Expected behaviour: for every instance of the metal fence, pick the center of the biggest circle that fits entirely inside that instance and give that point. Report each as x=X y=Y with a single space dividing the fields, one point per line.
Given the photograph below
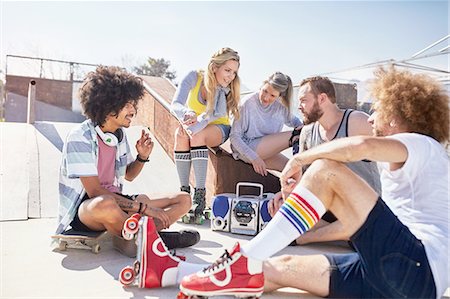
x=46 y=68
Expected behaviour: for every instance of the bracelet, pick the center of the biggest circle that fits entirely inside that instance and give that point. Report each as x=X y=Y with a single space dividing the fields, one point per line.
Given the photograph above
x=141 y=160
x=140 y=207
x=145 y=209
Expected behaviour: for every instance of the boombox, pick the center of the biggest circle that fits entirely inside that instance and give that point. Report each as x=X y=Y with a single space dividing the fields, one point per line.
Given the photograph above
x=241 y=214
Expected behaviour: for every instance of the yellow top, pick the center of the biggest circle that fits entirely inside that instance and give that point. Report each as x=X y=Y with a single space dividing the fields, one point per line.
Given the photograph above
x=195 y=105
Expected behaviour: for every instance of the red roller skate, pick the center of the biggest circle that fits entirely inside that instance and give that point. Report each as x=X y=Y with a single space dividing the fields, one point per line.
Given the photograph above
x=232 y=274
x=131 y=226
x=155 y=266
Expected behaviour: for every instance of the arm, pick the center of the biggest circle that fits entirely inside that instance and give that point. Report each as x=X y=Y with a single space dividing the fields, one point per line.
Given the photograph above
x=181 y=95
x=144 y=147
x=94 y=188
x=346 y=150
x=238 y=129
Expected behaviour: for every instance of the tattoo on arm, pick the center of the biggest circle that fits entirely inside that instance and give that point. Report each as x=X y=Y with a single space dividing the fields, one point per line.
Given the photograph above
x=126 y=205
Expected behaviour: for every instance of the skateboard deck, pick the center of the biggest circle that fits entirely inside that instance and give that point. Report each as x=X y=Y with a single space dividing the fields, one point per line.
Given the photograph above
x=79 y=240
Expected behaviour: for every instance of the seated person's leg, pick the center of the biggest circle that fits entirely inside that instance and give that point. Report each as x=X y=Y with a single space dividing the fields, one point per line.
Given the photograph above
x=102 y=212
x=175 y=205
x=272 y=145
x=297 y=272
x=276 y=162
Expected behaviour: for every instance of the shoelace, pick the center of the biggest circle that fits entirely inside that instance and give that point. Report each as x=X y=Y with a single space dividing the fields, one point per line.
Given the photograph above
x=225 y=257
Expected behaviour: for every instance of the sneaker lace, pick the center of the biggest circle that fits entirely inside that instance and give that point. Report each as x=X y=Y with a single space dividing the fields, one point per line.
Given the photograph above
x=220 y=261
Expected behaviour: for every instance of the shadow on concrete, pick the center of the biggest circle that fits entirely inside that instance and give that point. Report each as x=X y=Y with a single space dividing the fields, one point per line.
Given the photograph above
x=49 y=131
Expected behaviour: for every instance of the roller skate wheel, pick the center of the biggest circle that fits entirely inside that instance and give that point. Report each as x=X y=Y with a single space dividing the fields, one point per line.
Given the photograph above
x=127 y=275
x=185 y=219
x=199 y=220
x=131 y=225
x=184 y=296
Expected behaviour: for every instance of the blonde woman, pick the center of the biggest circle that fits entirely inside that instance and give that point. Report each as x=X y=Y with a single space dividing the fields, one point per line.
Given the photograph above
x=203 y=102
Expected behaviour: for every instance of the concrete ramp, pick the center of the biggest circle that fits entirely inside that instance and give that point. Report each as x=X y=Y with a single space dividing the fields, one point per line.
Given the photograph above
x=30 y=157
x=16 y=140
x=29 y=165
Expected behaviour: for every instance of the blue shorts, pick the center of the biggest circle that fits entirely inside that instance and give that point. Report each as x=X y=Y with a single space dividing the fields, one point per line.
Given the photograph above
x=225 y=131
x=389 y=262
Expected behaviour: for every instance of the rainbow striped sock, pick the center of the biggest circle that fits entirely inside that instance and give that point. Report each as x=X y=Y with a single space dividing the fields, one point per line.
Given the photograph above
x=302 y=209
x=300 y=212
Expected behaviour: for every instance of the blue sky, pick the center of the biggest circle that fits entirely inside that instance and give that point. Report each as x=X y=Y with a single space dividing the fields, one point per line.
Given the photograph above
x=300 y=38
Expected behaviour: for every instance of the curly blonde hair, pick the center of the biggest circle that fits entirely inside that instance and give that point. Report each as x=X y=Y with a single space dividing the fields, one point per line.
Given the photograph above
x=418 y=102
x=217 y=60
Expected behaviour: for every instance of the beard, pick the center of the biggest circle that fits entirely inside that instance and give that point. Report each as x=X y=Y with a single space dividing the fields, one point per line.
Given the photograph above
x=314 y=115
x=379 y=133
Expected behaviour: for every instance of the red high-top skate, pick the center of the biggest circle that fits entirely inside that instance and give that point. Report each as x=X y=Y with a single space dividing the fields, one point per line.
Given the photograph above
x=155 y=267
x=232 y=274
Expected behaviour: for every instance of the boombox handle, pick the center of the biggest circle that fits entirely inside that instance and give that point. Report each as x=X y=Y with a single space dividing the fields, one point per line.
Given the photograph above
x=248 y=184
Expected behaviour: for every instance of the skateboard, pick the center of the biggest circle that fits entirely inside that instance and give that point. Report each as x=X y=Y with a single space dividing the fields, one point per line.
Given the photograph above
x=192 y=218
x=79 y=240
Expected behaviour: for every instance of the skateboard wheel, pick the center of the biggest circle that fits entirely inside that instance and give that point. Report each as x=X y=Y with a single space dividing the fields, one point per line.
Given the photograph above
x=127 y=275
x=62 y=245
x=95 y=248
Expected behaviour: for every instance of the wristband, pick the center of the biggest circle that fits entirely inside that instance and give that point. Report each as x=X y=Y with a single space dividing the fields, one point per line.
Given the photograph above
x=141 y=160
x=145 y=209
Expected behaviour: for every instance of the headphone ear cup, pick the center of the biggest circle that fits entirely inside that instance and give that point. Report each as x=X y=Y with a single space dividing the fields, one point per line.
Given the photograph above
x=119 y=135
x=108 y=138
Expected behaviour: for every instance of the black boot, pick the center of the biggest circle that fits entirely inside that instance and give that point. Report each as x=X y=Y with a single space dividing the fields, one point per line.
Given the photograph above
x=180 y=239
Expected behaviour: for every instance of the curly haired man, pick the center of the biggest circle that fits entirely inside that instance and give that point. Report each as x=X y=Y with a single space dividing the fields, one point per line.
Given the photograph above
x=96 y=159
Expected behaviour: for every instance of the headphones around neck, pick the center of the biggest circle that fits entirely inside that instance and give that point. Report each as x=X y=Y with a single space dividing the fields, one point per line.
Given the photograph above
x=110 y=139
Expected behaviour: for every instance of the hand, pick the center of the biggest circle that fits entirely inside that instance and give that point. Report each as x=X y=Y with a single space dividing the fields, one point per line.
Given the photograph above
x=190 y=118
x=290 y=176
x=144 y=145
x=259 y=166
x=274 y=204
x=158 y=214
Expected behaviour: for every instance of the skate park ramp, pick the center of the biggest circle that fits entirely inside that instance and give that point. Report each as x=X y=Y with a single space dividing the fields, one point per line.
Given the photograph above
x=16 y=111
x=33 y=267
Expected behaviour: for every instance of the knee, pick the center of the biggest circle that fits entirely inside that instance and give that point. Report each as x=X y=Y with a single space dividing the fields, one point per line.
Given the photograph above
x=184 y=200
x=199 y=139
x=323 y=170
x=104 y=204
x=180 y=134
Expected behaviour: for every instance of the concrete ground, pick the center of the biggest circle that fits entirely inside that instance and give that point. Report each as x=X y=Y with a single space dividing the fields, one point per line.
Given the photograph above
x=32 y=267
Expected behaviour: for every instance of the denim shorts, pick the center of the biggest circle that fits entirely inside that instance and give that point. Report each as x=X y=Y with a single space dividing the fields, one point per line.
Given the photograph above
x=389 y=262
x=225 y=131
